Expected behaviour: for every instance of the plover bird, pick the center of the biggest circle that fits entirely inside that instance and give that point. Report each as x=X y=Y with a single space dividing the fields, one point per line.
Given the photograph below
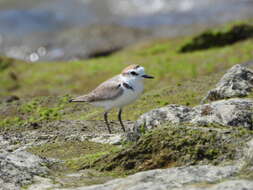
x=117 y=92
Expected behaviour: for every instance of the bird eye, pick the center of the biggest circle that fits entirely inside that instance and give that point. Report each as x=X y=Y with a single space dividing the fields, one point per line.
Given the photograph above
x=134 y=73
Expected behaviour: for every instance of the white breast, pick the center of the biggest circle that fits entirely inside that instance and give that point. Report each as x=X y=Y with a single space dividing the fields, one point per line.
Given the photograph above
x=130 y=95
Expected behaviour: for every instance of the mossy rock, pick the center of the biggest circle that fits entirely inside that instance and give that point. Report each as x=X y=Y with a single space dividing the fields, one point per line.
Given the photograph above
x=211 y=38
x=171 y=146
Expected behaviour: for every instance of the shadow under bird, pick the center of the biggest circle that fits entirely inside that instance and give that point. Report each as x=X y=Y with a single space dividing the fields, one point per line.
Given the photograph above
x=117 y=92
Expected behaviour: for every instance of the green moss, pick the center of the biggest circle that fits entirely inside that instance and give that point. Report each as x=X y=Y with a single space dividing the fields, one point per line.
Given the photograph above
x=210 y=39
x=11 y=121
x=5 y=63
x=175 y=146
x=70 y=150
x=75 y=156
x=85 y=161
x=40 y=109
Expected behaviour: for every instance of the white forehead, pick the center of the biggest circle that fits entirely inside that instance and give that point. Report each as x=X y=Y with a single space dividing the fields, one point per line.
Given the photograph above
x=140 y=70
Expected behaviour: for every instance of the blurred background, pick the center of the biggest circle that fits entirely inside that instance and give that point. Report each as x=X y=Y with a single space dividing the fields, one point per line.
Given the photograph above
x=57 y=47
x=50 y=30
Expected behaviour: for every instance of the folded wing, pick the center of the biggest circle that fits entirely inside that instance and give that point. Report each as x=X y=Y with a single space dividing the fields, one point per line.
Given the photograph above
x=108 y=90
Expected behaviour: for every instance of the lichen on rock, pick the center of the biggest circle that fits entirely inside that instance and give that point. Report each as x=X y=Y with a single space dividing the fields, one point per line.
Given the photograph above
x=237 y=82
x=166 y=178
x=19 y=167
x=233 y=112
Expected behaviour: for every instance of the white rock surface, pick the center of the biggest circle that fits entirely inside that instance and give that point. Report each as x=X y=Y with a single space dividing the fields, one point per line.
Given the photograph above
x=164 y=179
x=237 y=82
x=114 y=139
x=227 y=185
x=18 y=168
x=232 y=112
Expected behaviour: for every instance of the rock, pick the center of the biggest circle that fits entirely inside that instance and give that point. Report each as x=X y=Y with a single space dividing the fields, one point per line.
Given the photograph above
x=232 y=112
x=248 y=152
x=114 y=139
x=171 y=113
x=199 y=177
x=234 y=185
x=163 y=179
x=41 y=183
x=246 y=163
x=227 y=185
x=237 y=82
x=18 y=168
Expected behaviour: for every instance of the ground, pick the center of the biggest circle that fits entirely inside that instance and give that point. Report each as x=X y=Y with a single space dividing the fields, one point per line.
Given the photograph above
x=180 y=78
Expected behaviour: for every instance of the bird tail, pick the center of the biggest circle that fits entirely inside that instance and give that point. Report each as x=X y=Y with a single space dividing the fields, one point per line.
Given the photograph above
x=79 y=99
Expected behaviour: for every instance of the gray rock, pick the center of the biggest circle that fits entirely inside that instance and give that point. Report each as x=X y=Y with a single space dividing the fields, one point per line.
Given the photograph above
x=234 y=185
x=237 y=82
x=18 y=168
x=41 y=183
x=246 y=163
x=227 y=185
x=163 y=179
x=232 y=112
x=114 y=139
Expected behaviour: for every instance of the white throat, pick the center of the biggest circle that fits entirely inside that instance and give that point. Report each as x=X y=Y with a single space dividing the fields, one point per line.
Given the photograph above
x=135 y=82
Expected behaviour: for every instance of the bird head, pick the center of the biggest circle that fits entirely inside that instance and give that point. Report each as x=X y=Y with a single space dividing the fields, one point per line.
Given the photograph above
x=135 y=72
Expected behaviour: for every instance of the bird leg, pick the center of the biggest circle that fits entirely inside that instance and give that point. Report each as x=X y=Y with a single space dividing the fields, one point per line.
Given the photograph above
x=106 y=121
x=120 y=120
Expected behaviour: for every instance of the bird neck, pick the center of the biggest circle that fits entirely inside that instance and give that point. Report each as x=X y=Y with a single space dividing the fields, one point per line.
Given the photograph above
x=135 y=83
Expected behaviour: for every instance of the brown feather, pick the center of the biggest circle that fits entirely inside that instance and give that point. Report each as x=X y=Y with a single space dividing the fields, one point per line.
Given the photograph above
x=108 y=90
x=133 y=66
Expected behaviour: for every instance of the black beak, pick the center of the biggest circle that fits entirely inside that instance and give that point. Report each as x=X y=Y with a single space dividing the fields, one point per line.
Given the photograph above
x=147 y=76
